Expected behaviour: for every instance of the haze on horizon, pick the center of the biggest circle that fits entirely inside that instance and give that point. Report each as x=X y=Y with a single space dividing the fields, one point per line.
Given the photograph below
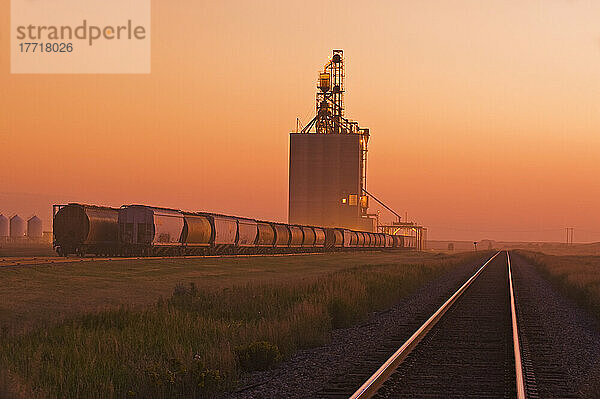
x=485 y=116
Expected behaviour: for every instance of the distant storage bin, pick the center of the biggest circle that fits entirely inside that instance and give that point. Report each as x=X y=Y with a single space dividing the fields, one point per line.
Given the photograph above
x=34 y=228
x=17 y=227
x=3 y=227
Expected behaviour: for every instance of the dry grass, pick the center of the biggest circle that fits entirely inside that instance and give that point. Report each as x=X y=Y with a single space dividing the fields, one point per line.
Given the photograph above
x=555 y=248
x=34 y=294
x=188 y=345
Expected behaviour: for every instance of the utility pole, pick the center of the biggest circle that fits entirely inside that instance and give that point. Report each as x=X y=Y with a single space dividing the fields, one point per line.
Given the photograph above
x=570 y=235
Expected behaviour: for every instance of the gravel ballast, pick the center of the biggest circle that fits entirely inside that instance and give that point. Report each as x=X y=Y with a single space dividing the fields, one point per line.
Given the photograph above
x=563 y=340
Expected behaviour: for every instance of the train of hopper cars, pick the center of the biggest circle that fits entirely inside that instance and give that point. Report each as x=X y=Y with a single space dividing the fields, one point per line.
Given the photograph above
x=138 y=230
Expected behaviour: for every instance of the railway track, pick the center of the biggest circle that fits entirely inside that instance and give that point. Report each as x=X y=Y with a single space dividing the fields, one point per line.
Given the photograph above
x=468 y=348
x=34 y=261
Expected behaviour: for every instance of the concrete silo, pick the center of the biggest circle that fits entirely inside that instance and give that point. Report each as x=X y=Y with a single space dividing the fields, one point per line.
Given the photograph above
x=34 y=228
x=17 y=227
x=3 y=228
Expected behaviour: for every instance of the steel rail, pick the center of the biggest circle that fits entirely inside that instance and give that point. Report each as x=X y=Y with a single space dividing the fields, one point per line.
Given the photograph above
x=33 y=261
x=56 y=260
x=371 y=385
x=515 y=332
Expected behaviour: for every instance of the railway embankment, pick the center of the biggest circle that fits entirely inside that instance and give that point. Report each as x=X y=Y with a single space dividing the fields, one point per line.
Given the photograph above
x=559 y=340
x=311 y=372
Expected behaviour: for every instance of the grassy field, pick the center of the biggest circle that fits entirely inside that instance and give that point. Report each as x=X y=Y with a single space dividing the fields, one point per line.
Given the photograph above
x=33 y=295
x=185 y=328
x=560 y=249
x=578 y=276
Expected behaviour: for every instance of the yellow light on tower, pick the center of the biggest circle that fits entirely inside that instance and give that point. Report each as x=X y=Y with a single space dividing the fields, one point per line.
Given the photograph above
x=324 y=82
x=364 y=201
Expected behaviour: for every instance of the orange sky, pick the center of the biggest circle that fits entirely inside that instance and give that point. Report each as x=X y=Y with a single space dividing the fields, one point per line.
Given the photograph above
x=485 y=115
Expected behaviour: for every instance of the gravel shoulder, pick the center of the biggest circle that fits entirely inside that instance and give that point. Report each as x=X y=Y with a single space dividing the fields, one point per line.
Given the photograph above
x=563 y=339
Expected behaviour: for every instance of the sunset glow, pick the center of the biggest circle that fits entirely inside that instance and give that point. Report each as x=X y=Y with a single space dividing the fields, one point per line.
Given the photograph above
x=484 y=116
